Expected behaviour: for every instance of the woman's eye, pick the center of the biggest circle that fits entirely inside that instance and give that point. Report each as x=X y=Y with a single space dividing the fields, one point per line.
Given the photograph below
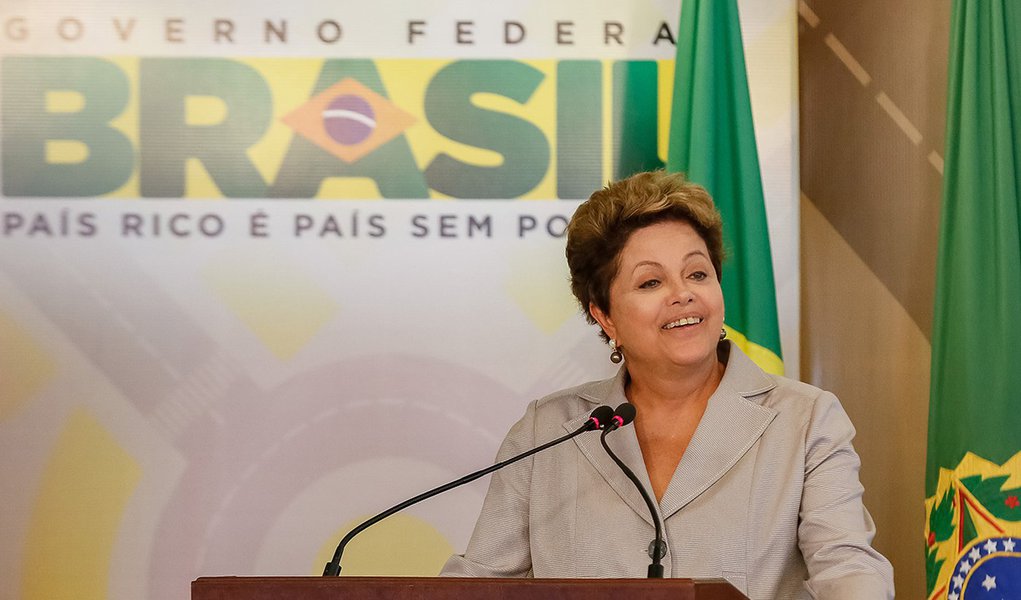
x=650 y=283
x=699 y=275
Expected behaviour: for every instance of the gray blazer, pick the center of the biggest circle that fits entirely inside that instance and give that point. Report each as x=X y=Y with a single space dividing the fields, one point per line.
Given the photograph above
x=766 y=495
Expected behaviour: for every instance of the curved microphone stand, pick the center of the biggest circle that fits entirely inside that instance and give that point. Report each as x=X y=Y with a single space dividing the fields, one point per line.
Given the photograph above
x=624 y=414
x=598 y=419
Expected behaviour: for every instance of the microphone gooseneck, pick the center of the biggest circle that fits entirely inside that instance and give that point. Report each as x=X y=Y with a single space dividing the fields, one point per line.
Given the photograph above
x=623 y=415
x=600 y=418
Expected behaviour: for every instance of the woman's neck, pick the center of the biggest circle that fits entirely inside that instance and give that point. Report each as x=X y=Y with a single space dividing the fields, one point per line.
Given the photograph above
x=672 y=388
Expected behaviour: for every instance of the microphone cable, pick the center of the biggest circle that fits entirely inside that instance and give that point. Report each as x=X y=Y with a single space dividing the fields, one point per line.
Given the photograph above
x=624 y=414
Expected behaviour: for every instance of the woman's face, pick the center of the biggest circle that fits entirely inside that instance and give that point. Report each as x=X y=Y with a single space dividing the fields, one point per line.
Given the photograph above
x=666 y=304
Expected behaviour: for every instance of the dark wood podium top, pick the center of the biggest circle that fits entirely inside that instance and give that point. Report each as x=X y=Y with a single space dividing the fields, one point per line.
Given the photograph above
x=451 y=588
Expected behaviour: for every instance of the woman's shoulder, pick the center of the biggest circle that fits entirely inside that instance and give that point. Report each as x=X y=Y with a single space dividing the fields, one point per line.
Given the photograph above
x=809 y=409
x=590 y=390
x=777 y=392
x=569 y=403
x=798 y=392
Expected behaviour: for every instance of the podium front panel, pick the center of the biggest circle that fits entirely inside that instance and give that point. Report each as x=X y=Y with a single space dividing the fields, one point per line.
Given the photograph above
x=453 y=588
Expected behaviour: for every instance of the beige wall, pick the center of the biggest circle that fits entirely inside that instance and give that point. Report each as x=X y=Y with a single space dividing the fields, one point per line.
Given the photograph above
x=873 y=94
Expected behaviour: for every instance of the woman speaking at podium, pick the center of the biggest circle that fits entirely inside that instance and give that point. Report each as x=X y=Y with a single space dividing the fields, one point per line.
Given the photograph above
x=754 y=475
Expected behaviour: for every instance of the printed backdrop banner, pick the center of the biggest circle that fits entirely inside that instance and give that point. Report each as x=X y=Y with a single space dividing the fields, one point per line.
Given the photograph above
x=267 y=269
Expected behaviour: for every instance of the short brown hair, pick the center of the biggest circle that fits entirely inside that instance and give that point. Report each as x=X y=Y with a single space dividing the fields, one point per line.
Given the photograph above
x=603 y=224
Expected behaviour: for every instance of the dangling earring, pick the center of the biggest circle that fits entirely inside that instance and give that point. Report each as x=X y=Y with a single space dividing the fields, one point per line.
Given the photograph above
x=723 y=333
x=615 y=354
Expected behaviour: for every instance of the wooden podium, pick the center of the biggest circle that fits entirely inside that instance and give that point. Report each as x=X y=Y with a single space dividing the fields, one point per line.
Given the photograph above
x=453 y=588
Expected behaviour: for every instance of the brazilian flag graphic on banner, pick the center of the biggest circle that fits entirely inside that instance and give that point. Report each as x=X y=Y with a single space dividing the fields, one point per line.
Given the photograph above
x=973 y=476
x=712 y=141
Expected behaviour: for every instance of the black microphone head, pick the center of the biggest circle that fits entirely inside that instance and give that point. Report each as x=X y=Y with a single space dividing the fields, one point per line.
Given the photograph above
x=600 y=417
x=626 y=412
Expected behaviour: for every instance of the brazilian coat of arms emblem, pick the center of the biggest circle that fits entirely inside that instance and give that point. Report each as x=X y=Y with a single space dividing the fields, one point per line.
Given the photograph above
x=973 y=531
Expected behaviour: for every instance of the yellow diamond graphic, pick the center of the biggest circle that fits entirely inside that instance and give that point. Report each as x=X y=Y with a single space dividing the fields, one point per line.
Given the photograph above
x=283 y=307
x=348 y=120
x=25 y=368
x=538 y=285
x=81 y=500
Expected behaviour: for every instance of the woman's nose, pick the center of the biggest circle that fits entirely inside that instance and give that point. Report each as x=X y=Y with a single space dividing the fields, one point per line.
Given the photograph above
x=681 y=294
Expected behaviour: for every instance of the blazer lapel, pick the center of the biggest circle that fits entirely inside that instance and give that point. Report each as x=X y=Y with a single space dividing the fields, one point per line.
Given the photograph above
x=731 y=425
x=729 y=428
x=624 y=443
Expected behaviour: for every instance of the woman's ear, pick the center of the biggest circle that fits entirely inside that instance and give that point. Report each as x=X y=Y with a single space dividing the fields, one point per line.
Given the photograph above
x=603 y=319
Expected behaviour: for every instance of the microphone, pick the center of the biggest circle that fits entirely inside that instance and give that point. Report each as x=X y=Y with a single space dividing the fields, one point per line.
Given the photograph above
x=624 y=415
x=600 y=418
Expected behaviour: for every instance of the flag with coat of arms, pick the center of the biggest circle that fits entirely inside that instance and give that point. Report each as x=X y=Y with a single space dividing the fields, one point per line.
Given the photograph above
x=973 y=475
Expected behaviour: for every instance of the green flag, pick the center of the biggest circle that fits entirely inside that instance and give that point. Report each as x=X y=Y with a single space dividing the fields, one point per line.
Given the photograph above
x=973 y=476
x=712 y=141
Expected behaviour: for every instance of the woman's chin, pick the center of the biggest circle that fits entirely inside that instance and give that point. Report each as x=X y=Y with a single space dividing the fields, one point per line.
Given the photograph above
x=680 y=360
